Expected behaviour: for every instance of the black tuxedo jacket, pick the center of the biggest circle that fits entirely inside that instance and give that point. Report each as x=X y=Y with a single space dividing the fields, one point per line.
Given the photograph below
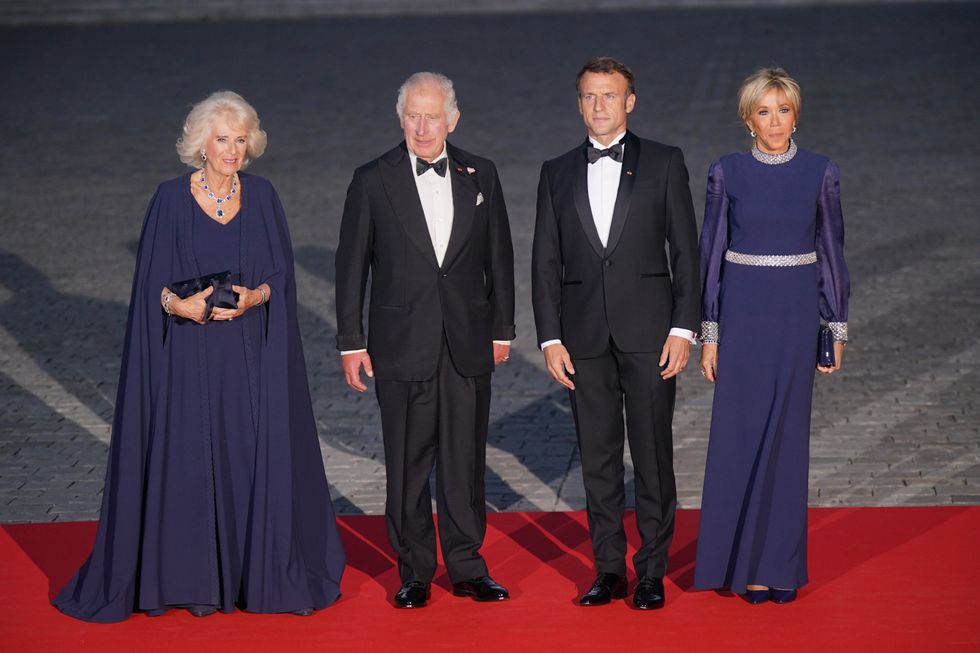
x=583 y=293
x=414 y=300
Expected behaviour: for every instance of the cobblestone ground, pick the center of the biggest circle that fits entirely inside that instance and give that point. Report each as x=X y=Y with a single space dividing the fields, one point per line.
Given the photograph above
x=90 y=114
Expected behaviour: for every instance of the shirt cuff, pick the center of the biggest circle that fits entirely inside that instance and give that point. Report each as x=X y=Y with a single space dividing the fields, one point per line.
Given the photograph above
x=502 y=342
x=548 y=343
x=352 y=351
x=683 y=333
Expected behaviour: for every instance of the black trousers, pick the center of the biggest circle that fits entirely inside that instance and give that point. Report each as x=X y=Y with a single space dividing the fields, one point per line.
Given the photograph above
x=603 y=385
x=443 y=422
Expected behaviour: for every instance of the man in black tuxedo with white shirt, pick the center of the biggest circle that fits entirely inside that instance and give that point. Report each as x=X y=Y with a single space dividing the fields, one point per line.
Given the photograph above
x=428 y=222
x=615 y=318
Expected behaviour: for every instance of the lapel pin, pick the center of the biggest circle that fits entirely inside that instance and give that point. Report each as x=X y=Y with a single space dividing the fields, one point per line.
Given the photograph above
x=629 y=173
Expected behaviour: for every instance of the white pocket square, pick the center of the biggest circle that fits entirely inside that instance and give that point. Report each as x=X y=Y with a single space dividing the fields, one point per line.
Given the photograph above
x=479 y=199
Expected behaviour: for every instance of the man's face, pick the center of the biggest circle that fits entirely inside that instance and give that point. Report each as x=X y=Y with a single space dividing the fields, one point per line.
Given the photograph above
x=425 y=122
x=604 y=102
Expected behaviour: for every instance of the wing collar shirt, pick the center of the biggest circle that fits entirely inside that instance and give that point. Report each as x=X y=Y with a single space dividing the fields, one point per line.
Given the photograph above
x=603 y=188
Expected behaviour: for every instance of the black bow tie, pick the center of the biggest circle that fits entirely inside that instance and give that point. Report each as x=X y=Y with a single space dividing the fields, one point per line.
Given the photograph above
x=614 y=152
x=439 y=166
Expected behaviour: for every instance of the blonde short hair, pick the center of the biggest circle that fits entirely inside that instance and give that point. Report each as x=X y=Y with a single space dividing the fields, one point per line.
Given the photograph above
x=761 y=82
x=197 y=126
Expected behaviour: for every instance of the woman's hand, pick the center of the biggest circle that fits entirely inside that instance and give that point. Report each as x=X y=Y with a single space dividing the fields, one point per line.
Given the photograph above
x=709 y=361
x=191 y=308
x=838 y=357
x=247 y=298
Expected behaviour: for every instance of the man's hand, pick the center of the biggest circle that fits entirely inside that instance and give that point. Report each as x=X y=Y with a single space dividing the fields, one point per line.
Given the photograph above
x=709 y=361
x=501 y=353
x=674 y=355
x=559 y=364
x=352 y=369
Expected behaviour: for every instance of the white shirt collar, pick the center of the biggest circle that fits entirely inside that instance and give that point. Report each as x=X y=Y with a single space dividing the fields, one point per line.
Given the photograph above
x=618 y=138
x=414 y=157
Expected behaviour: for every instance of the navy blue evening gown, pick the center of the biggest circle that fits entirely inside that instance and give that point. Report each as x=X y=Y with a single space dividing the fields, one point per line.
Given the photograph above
x=772 y=265
x=215 y=491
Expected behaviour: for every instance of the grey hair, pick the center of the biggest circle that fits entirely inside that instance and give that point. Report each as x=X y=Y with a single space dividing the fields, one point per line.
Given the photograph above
x=421 y=79
x=197 y=127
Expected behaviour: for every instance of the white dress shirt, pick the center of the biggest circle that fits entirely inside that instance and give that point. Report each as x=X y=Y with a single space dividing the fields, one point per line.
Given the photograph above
x=436 y=195
x=604 y=177
x=604 y=187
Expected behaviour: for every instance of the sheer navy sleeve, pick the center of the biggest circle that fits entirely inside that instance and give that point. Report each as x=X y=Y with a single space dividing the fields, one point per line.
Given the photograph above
x=835 y=282
x=714 y=242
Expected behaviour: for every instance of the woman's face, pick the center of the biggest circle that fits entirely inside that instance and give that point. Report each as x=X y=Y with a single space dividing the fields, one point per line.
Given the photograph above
x=225 y=147
x=772 y=120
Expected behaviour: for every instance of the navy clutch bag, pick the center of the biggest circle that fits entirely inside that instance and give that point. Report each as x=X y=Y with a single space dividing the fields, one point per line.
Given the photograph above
x=825 y=347
x=222 y=297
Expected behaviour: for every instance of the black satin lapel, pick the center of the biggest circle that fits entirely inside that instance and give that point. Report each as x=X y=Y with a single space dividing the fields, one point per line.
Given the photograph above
x=465 y=191
x=621 y=210
x=404 y=198
x=580 y=191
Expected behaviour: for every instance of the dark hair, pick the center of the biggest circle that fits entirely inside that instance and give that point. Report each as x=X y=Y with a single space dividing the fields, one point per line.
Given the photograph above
x=608 y=65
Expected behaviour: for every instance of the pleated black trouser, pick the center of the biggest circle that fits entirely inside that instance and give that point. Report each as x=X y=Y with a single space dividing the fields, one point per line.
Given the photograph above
x=602 y=386
x=443 y=422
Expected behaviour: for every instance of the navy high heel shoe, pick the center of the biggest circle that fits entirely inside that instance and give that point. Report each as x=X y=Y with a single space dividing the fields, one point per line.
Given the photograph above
x=777 y=595
x=755 y=597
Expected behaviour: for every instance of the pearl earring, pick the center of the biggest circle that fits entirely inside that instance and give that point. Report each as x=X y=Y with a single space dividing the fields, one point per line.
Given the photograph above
x=794 y=129
x=752 y=133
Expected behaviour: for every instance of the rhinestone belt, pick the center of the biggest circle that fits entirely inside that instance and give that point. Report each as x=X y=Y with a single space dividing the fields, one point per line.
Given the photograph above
x=771 y=260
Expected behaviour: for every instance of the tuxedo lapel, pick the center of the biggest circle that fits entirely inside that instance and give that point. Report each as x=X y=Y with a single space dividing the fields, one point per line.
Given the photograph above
x=631 y=158
x=580 y=191
x=403 y=195
x=465 y=192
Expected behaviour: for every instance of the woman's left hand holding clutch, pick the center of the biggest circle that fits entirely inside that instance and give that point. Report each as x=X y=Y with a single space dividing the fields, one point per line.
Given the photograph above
x=247 y=298
x=838 y=357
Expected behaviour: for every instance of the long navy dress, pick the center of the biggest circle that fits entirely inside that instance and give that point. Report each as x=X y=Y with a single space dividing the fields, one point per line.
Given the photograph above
x=772 y=265
x=215 y=491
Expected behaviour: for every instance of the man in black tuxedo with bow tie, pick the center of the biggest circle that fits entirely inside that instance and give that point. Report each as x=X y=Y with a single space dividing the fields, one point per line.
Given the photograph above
x=615 y=316
x=428 y=222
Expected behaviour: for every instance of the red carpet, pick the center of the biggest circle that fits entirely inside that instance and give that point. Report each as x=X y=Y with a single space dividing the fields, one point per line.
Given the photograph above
x=882 y=579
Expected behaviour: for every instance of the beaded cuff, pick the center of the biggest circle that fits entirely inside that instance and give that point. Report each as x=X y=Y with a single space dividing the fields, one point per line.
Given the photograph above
x=839 y=329
x=709 y=333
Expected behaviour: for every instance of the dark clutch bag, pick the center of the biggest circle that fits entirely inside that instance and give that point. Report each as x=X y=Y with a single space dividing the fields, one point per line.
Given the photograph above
x=222 y=297
x=825 y=347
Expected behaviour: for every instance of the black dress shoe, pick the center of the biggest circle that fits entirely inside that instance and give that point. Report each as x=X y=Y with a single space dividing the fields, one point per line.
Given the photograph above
x=202 y=610
x=413 y=594
x=483 y=588
x=605 y=588
x=649 y=594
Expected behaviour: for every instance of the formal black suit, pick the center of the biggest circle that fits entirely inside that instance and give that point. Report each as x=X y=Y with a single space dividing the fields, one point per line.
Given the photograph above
x=430 y=334
x=612 y=307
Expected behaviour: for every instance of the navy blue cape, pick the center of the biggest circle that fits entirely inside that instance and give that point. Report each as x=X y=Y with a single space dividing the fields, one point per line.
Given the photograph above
x=158 y=529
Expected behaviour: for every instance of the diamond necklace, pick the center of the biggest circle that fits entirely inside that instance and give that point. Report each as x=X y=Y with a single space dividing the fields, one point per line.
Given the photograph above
x=219 y=200
x=774 y=159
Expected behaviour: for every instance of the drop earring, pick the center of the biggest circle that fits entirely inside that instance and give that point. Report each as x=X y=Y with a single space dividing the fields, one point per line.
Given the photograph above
x=204 y=157
x=794 y=129
x=752 y=133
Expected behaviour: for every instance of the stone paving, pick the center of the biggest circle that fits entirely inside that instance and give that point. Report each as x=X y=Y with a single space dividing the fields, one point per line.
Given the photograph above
x=90 y=115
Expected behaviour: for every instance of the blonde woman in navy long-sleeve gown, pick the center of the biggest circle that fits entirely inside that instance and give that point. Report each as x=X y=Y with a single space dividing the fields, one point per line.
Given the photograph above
x=772 y=265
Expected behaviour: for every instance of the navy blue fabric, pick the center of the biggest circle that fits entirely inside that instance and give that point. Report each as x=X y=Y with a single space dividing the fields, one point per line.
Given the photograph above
x=215 y=491
x=754 y=506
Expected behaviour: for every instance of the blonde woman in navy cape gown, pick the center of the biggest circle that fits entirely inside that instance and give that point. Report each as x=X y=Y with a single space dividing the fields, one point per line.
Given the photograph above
x=215 y=494
x=772 y=265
